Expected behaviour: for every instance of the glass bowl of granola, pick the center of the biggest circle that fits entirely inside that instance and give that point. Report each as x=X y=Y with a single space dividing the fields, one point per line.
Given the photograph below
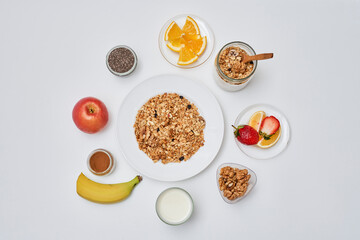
x=234 y=181
x=231 y=73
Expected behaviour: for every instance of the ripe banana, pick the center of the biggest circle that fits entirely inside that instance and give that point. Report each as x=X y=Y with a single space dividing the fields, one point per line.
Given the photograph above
x=104 y=193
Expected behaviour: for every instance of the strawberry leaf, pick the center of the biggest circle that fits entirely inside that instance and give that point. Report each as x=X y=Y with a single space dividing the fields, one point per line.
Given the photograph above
x=265 y=136
x=236 y=132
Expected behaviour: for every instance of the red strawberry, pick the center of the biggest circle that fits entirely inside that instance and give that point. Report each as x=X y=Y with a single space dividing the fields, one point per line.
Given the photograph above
x=246 y=135
x=268 y=127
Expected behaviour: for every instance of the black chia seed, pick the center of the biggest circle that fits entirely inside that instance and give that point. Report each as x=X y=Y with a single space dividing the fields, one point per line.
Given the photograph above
x=181 y=97
x=121 y=60
x=189 y=106
x=182 y=158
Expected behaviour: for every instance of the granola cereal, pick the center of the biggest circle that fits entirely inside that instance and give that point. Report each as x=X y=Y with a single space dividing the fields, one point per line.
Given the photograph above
x=169 y=128
x=231 y=65
x=233 y=182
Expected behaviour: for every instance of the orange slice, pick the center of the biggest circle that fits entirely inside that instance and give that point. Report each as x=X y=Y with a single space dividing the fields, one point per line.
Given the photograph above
x=188 y=37
x=187 y=41
x=173 y=32
x=186 y=56
x=197 y=46
x=256 y=119
x=190 y=27
x=271 y=142
x=176 y=44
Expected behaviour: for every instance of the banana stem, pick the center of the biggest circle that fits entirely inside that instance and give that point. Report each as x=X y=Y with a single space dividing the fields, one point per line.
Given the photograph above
x=139 y=177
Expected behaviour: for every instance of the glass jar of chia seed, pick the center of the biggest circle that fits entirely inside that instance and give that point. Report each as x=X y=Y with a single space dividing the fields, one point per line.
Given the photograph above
x=230 y=73
x=121 y=60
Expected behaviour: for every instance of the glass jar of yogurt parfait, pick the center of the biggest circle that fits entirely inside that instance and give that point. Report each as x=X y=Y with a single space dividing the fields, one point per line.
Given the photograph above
x=230 y=73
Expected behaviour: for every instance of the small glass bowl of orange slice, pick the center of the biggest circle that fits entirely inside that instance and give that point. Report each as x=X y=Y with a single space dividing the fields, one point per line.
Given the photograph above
x=186 y=41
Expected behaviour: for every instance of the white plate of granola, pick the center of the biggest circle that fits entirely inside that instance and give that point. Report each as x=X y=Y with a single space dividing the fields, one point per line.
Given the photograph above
x=170 y=128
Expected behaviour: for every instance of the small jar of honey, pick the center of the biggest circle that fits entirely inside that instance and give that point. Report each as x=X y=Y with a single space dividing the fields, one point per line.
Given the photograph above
x=100 y=162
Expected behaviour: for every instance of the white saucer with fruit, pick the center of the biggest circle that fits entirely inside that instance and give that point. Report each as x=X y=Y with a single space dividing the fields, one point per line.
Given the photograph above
x=261 y=131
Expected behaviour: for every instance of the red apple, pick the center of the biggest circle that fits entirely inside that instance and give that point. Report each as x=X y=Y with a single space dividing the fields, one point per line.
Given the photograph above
x=90 y=115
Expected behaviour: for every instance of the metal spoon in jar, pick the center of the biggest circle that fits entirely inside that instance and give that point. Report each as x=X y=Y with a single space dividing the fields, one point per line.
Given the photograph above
x=263 y=56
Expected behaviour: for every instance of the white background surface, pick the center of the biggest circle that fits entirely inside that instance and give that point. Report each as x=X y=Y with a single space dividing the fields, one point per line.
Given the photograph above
x=53 y=54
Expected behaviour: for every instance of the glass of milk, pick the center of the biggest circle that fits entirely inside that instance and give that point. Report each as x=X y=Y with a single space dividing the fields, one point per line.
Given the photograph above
x=174 y=206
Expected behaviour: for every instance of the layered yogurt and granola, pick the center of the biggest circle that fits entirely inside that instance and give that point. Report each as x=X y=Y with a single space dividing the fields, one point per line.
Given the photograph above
x=232 y=74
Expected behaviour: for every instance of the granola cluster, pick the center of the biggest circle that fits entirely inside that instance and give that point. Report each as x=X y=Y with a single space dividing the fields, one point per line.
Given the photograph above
x=169 y=128
x=233 y=182
x=231 y=65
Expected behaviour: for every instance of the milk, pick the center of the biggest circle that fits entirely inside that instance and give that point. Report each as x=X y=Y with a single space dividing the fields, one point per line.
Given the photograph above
x=174 y=206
